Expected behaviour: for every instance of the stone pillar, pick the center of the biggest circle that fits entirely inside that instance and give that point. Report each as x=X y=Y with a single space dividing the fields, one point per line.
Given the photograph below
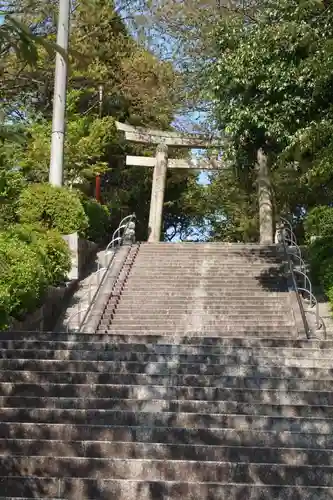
x=129 y=234
x=157 y=194
x=265 y=200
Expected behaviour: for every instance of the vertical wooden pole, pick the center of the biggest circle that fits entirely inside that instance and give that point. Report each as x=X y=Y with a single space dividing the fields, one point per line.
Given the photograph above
x=265 y=200
x=98 y=188
x=157 y=194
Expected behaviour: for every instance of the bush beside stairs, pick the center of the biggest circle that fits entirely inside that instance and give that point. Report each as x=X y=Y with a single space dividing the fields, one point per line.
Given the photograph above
x=196 y=385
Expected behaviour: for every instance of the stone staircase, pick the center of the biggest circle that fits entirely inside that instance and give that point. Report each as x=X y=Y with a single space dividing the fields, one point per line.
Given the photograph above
x=185 y=289
x=197 y=386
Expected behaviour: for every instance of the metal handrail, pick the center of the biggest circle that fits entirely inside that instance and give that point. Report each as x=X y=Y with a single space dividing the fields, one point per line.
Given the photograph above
x=294 y=282
x=315 y=302
x=111 y=248
x=301 y=262
x=307 y=281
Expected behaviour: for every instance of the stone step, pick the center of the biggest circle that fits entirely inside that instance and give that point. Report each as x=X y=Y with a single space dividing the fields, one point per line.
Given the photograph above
x=152 y=392
x=160 y=451
x=216 y=255
x=167 y=367
x=194 y=354
x=169 y=380
x=283 y=333
x=218 y=308
x=232 y=286
x=192 y=420
x=193 y=321
x=171 y=470
x=215 y=303
x=169 y=345
x=172 y=381
x=206 y=297
x=193 y=276
x=168 y=435
x=70 y=489
x=186 y=294
x=201 y=362
x=170 y=406
x=284 y=330
x=218 y=322
x=179 y=314
x=207 y=279
x=9 y=339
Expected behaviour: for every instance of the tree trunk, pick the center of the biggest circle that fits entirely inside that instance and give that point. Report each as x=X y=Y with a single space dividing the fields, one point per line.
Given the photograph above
x=265 y=200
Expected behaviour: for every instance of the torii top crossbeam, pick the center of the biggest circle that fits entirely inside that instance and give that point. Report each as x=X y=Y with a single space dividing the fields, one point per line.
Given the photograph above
x=168 y=138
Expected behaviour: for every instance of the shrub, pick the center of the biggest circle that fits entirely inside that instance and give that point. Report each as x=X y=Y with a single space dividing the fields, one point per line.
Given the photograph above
x=11 y=185
x=320 y=252
x=52 y=250
x=99 y=220
x=52 y=207
x=23 y=278
x=319 y=222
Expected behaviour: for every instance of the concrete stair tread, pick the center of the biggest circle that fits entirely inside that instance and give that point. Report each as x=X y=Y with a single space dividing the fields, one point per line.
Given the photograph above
x=168 y=435
x=164 y=451
x=255 y=331
x=171 y=406
x=161 y=490
x=92 y=339
x=203 y=421
x=289 y=369
x=174 y=470
x=177 y=380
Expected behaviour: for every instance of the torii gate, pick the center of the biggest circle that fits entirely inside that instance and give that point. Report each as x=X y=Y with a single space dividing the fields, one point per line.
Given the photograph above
x=161 y=162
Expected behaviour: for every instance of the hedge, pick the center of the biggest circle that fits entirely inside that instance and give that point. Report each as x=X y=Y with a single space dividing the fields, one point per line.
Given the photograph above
x=53 y=207
x=52 y=250
x=319 y=224
x=23 y=278
x=99 y=220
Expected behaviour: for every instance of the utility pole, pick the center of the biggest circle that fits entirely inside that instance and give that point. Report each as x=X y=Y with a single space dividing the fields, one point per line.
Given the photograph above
x=59 y=98
x=98 y=177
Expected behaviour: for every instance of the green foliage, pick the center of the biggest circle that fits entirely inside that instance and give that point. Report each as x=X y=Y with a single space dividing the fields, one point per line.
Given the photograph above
x=23 y=278
x=53 y=207
x=233 y=207
x=11 y=185
x=87 y=139
x=51 y=248
x=320 y=253
x=271 y=85
x=98 y=218
x=319 y=222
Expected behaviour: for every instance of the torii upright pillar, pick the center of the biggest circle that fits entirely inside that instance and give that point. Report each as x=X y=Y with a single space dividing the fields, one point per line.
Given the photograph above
x=157 y=194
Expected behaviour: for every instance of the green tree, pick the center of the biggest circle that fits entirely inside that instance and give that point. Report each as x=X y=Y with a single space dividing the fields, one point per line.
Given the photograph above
x=271 y=81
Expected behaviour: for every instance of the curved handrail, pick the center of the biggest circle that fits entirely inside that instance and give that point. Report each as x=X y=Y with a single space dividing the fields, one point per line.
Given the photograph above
x=307 y=282
x=295 y=287
x=76 y=313
x=318 y=322
x=115 y=242
x=292 y=238
x=302 y=262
